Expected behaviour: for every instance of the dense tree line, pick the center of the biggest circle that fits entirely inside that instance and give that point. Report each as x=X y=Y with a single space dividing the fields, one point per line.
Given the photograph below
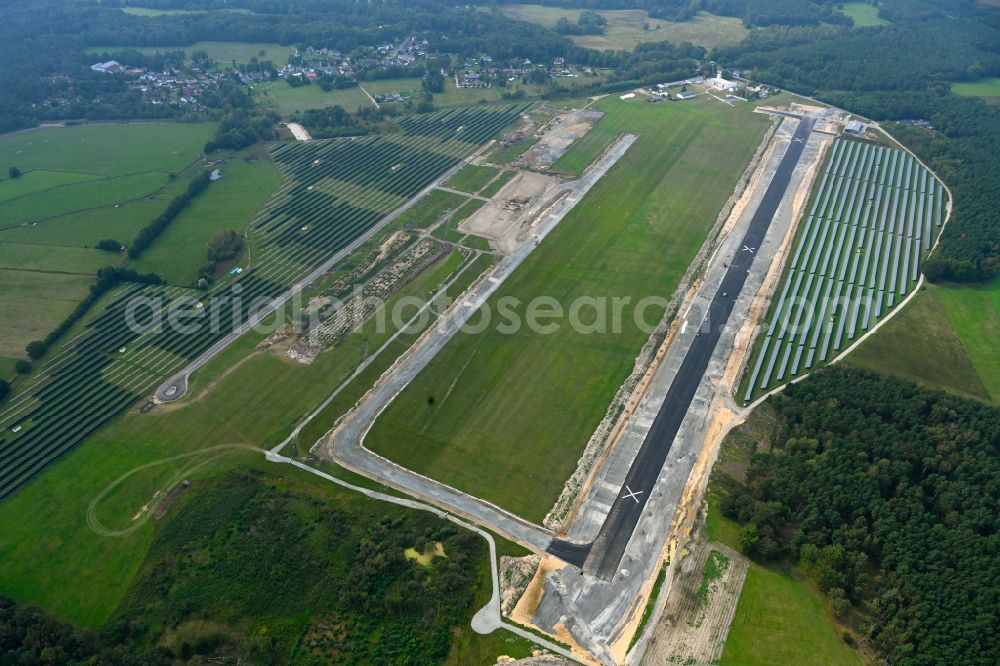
x=889 y=495
x=224 y=246
x=151 y=231
x=903 y=72
x=335 y=121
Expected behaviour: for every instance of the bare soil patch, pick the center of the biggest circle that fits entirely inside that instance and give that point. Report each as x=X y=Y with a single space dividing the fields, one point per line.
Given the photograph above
x=500 y=220
x=695 y=622
x=558 y=136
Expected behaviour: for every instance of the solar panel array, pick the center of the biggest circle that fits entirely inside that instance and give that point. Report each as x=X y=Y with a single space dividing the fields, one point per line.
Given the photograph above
x=873 y=216
x=334 y=191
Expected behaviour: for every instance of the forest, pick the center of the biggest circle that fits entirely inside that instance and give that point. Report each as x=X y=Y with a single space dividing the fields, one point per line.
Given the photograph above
x=248 y=570
x=43 y=46
x=889 y=497
x=878 y=73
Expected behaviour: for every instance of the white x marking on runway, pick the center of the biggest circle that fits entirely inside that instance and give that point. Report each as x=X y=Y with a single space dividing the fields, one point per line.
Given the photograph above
x=747 y=248
x=632 y=494
x=797 y=140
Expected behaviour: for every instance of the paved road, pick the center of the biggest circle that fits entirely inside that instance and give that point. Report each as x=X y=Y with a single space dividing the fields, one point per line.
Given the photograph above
x=175 y=387
x=602 y=557
x=346 y=443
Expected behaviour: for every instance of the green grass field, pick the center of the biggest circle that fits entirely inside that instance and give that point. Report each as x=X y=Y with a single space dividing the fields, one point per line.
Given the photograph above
x=106 y=149
x=229 y=203
x=430 y=209
x=65 y=567
x=780 y=618
x=959 y=323
x=403 y=86
x=627 y=28
x=7 y=371
x=472 y=178
x=42 y=300
x=79 y=184
x=223 y=53
x=864 y=14
x=98 y=193
x=39 y=181
x=523 y=405
x=146 y=11
x=286 y=100
x=987 y=87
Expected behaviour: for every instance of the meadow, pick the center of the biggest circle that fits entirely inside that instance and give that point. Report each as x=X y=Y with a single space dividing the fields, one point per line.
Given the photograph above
x=247 y=179
x=780 y=617
x=864 y=14
x=523 y=405
x=987 y=87
x=959 y=322
x=286 y=100
x=79 y=184
x=472 y=178
x=223 y=53
x=627 y=28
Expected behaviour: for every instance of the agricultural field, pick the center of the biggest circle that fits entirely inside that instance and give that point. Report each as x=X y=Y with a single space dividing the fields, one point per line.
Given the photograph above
x=874 y=214
x=78 y=185
x=334 y=191
x=522 y=406
x=472 y=178
x=223 y=53
x=147 y=11
x=286 y=100
x=988 y=88
x=627 y=28
x=959 y=323
x=864 y=14
x=247 y=179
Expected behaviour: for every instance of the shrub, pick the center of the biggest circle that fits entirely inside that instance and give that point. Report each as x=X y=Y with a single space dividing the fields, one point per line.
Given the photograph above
x=36 y=349
x=108 y=245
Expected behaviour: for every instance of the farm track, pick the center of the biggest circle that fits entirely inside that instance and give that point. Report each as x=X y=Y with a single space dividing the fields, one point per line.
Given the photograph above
x=107 y=368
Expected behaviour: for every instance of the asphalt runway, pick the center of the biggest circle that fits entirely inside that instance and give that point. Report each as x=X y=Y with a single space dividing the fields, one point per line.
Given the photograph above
x=602 y=556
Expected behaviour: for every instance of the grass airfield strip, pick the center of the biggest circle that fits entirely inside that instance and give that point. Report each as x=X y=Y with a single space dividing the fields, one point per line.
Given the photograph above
x=504 y=417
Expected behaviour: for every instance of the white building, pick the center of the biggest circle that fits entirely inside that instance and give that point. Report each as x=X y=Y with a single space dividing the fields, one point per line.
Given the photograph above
x=723 y=84
x=627 y=96
x=854 y=127
x=109 y=67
